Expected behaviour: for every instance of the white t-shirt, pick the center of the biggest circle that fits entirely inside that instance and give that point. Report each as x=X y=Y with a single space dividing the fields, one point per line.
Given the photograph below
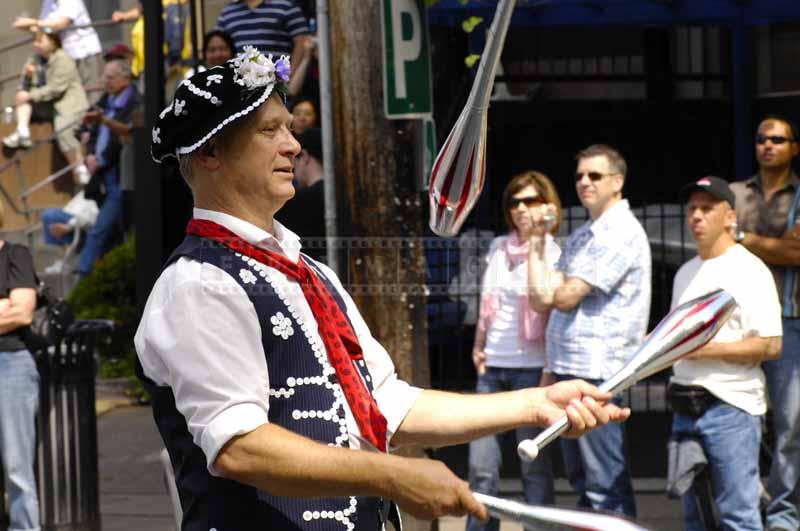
x=743 y=275
x=503 y=348
x=78 y=43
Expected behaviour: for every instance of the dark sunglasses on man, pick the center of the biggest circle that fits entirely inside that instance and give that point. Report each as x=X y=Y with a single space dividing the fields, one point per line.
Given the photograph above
x=594 y=176
x=775 y=139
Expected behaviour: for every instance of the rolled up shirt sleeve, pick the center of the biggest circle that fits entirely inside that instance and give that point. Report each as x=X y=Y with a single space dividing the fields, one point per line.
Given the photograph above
x=201 y=337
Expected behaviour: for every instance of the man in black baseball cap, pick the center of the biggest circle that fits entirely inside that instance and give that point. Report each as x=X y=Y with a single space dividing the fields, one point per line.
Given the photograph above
x=718 y=392
x=715 y=186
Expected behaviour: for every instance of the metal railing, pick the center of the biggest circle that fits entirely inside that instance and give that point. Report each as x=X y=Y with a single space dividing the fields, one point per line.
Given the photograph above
x=25 y=210
x=22 y=41
x=16 y=43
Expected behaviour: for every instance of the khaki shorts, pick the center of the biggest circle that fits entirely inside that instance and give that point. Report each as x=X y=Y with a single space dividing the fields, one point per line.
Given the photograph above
x=67 y=141
x=91 y=71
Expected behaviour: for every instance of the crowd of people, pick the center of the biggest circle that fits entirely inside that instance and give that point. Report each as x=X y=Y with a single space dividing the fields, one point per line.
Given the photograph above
x=68 y=65
x=549 y=313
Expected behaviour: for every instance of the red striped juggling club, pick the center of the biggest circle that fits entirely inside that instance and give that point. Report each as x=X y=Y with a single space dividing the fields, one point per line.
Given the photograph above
x=459 y=168
x=685 y=329
x=545 y=518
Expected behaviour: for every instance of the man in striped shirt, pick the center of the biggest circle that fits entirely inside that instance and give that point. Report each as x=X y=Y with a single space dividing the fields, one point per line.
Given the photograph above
x=276 y=27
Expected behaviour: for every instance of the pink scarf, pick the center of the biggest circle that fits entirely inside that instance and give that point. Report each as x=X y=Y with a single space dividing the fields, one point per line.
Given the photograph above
x=510 y=254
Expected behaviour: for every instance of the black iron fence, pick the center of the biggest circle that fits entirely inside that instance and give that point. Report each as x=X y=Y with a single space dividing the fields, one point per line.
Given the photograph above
x=66 y=462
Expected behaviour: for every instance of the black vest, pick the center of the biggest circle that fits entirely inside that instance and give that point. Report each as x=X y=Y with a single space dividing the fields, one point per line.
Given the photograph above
x=304 y=397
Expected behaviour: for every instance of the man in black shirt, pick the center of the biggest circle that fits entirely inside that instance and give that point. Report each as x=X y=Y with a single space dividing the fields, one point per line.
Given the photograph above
x=19 y=384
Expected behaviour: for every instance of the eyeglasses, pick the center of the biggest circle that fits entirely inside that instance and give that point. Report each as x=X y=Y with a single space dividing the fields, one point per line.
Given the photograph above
x=594 y=176
x=775 y=139
x=529 y=201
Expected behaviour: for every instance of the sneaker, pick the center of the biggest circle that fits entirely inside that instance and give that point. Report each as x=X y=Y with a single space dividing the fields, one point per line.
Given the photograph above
x=55 y=268
x=15 y=140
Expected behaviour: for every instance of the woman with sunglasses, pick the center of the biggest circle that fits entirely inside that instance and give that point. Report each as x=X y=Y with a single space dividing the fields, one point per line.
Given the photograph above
x=509 y=350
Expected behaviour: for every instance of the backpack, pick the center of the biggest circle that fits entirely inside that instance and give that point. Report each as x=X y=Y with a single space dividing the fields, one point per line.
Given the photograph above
x=51 y=319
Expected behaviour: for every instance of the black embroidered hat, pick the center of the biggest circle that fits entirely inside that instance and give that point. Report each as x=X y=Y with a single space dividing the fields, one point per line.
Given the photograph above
x=208 y=101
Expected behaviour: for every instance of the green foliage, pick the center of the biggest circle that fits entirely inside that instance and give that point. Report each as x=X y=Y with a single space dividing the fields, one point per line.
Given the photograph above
x=109 y=292
x=471 y=23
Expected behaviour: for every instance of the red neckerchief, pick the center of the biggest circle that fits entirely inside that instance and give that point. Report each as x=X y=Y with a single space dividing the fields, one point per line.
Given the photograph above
x=337 y=335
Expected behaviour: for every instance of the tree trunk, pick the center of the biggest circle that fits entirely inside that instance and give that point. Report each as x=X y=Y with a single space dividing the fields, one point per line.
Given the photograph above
x=375 y=172
x=375 y=179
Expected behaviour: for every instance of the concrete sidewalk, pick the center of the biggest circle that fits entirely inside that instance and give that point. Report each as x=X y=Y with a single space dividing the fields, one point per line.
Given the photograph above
x=133 y=496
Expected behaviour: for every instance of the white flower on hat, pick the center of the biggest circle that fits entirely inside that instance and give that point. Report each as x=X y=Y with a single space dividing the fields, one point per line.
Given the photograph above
x=253 y=69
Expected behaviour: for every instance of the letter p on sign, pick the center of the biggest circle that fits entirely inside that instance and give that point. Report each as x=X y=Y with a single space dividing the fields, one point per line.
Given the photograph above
x=406 y=59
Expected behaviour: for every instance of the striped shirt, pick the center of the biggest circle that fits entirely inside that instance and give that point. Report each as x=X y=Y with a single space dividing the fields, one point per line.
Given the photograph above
x=597 y=337
x=772 y=218
x=269 y=27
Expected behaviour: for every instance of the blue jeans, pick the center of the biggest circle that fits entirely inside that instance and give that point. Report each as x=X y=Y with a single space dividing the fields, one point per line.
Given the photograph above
x=597 y=467
x=783 y=386
x=19 y=400
x=107 y=222
x=485 y=456
x=55 y=215
x=731 y=439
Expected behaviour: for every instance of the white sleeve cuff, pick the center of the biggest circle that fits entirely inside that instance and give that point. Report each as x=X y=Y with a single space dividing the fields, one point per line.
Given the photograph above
x=233 y=421
x=404 y=397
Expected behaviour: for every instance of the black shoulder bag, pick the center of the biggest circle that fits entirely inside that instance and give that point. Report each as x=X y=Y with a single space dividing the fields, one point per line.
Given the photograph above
x=51 y=320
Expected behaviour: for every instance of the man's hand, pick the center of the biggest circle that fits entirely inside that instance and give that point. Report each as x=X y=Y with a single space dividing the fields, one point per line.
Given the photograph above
x=479 y=360
x=23 y=23
x=427 y=489
x=93 y=116
x=23 y=96
x=793 y=233
x=585 y=405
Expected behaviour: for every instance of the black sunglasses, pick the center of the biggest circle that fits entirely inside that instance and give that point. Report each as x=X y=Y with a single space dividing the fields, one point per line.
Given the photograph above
x=775 y=139
x=529 y=201
x=594 y=176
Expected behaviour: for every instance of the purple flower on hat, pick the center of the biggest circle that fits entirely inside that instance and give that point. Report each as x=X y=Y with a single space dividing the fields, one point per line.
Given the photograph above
x=283 y=69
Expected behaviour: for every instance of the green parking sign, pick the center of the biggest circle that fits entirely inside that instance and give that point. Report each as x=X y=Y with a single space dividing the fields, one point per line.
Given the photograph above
x=406 y=59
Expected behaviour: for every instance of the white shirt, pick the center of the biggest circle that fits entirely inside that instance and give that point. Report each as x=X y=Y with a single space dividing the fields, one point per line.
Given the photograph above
x=78 y=43
x=200 y=336
x=503 y=348
x=743 y=275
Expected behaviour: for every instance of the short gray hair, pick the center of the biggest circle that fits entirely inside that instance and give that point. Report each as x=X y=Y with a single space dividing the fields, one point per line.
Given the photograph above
x=616 y=161
x=185 y=166
x=124 y=67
